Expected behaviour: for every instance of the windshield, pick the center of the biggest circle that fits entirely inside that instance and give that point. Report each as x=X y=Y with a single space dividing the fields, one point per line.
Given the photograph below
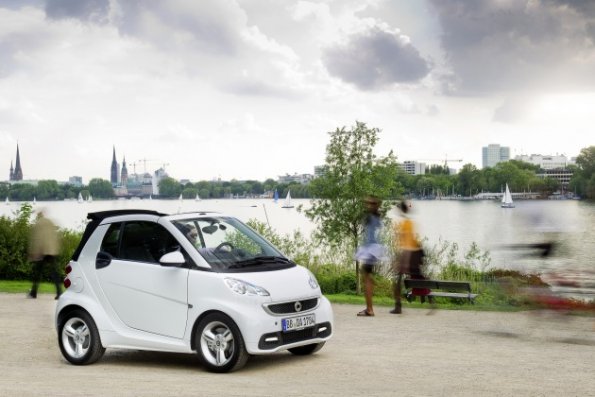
x=229 y=245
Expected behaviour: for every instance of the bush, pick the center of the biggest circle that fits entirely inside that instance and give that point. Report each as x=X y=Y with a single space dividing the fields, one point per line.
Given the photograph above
x=14 y=243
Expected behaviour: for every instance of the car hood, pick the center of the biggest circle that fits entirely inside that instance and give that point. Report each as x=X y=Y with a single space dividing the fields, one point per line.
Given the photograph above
x=286 y=284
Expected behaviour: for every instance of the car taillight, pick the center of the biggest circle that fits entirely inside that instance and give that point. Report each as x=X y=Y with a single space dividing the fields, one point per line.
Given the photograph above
x=67 y=282
x=68 y=269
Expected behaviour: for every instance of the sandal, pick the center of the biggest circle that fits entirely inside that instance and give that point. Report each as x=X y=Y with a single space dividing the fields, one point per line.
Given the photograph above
x=365 y=313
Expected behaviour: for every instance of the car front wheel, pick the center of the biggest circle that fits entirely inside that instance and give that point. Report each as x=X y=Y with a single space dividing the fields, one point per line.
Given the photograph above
x=220 y=345
x=78 y=338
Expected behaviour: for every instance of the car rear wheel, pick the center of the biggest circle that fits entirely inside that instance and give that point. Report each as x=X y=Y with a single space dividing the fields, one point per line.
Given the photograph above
x=78 y=338
x=306 y=349
x=220 y=345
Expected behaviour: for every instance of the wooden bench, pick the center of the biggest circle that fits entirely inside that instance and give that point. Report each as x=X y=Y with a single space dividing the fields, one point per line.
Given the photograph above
x=445 y=289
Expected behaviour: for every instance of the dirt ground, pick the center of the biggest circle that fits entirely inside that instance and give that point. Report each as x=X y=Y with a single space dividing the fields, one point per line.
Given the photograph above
x=448 y=353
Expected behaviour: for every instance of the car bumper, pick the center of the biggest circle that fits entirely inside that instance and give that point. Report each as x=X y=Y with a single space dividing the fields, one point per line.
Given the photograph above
x=269 y=337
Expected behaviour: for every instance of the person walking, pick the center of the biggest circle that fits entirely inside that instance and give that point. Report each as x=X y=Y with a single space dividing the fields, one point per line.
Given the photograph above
x=44 y=247
x=371 y=252
x=410 y=259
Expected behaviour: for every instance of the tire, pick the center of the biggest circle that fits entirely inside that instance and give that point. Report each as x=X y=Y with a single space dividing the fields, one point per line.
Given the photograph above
x=306 y=349
x=79 y=339
x=219 y=344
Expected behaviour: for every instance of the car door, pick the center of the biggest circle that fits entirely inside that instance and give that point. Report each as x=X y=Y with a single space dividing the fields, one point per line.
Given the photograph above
x=144 y=294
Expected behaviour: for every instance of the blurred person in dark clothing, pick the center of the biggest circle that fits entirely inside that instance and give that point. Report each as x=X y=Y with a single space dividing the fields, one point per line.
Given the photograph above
x=44 y=247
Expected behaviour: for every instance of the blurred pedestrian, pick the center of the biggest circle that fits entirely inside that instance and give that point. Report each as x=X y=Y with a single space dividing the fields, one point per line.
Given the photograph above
x=371 y=252
x=44 y=247
x=410 y=258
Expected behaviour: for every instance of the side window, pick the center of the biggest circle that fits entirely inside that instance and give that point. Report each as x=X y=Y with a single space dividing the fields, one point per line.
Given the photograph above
x=146 y=242
x=111 y=240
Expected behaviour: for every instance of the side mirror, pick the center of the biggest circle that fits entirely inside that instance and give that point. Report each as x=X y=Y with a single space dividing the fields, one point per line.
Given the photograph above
x=172 y=259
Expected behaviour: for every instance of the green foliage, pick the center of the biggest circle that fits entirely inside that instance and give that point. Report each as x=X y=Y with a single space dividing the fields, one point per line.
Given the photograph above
x=14 y=244
x=100 y=188
x=583 y=179
x=169 y=188
x=352 y=172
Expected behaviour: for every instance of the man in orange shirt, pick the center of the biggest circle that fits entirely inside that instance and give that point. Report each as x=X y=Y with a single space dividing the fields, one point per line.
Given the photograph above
x=410 y=258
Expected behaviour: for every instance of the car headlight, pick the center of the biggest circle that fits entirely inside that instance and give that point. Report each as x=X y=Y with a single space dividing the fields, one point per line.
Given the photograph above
x=245 y=288
x=312 y=280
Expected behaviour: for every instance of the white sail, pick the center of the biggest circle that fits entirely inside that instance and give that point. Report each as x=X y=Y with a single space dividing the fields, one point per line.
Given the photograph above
x=507 y=199
x=7 y=201
x=287 y=203
x=197 y=197
x=80 y=199
x=90 y=199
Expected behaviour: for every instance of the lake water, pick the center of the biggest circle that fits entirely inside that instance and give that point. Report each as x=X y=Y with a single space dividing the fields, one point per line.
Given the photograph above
x=462 y=222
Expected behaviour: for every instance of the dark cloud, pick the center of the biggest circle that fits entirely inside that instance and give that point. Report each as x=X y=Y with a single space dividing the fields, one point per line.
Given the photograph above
x=376 y=59
x=210 y=26
x=84 y=10
x=493 y=46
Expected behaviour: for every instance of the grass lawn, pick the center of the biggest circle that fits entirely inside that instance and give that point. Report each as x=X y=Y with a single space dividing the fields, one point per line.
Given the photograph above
x=22 y=287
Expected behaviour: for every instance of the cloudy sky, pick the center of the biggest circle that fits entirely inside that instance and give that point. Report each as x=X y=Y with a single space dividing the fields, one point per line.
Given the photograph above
x=249 y=89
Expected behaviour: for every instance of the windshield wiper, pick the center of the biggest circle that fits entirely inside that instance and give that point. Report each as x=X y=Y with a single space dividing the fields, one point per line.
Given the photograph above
x=259 y=260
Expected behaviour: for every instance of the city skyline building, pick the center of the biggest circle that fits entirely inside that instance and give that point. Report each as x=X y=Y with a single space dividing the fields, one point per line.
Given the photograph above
x=494 y=154
x=546 y=162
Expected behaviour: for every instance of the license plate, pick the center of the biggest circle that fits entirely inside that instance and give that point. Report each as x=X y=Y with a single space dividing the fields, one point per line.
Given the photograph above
x=299 y=322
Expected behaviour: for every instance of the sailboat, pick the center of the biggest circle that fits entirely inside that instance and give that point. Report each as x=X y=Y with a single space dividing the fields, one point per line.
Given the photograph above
x=7 y=201
x=197 y=198
x=34 y=200
x=507 y=199
x=181 y=197
x=80 y=199
x=287 y=203
x=90 y=198
x=276 y=196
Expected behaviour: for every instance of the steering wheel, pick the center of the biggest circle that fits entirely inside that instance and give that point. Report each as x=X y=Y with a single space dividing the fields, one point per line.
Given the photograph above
x=219 y=248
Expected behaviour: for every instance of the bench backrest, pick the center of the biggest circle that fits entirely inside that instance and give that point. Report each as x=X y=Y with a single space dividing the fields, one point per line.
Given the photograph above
x=438 y=284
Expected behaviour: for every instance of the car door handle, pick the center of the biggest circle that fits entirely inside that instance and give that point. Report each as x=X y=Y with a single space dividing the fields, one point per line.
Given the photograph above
x=103 y=260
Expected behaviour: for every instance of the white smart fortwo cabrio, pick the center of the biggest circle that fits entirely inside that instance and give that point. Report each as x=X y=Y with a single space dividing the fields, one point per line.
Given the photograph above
x=198 y=282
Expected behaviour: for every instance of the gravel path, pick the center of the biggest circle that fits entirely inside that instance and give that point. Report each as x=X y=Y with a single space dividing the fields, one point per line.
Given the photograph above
x=462 y=353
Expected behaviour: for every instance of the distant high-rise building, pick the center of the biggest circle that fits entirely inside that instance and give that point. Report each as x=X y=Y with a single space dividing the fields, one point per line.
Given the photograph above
x=413 y=167
x=114 y=170
x=494 y=154
x=16 y=174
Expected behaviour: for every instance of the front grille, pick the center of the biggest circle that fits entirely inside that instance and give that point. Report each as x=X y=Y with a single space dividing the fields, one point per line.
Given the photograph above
x=289 y=307
x=276 y=339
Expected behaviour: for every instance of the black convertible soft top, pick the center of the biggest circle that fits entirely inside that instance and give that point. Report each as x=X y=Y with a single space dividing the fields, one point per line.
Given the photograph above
x=97 y=217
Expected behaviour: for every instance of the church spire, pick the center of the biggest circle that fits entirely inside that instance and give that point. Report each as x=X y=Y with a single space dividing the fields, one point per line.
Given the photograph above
x=124 y=177
x=114 y=170
x=17 y=174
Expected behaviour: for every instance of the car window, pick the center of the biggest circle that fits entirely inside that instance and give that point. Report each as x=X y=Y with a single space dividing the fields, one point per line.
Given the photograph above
x=229 y=245
x=111 y=240
x=145 y=242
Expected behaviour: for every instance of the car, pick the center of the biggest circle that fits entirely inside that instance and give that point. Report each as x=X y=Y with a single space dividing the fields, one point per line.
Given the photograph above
x=202 y=282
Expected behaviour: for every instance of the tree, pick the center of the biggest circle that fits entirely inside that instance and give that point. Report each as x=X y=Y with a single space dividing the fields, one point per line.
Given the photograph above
x=583 y=179
x=352 y=173
x=100 y=188
x=169 y=187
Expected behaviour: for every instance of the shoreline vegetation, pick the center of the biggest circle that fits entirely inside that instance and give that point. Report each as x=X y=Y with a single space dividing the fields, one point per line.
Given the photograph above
x=497 y=289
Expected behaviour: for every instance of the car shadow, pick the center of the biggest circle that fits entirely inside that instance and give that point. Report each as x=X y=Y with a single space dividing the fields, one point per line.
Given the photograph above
x=191 y=362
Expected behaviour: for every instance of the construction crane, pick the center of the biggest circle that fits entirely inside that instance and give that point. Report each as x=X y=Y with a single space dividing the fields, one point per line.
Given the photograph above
x=446 y=160
x=145 y=161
